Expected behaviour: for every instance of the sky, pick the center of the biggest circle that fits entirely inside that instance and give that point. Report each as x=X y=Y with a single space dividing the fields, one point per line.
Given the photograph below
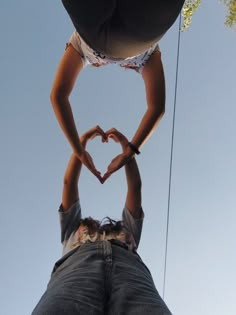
x=201 y=258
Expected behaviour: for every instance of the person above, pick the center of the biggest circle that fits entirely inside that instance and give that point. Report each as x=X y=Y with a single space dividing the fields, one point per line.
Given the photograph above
x=100 y=272
x=122 y=32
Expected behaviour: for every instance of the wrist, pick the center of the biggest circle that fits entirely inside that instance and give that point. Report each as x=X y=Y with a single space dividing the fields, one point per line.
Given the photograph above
x=83 y=142
x=80 y=152
x=133 y=148
x=83 y=145
x=128 y=151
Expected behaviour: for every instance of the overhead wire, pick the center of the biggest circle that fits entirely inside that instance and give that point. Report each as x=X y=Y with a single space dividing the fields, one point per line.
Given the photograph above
x=171 y=158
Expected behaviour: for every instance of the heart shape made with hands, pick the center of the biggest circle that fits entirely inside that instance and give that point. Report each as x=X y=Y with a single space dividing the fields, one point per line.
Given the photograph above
x=103 y=157
x=114 y=162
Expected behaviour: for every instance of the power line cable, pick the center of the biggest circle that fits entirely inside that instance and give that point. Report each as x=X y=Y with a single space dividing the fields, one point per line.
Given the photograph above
x=171 y=157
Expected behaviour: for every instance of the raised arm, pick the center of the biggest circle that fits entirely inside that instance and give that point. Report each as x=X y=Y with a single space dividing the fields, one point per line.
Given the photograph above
x=154 y=80
x=68 y=70
x=71 y=178
x=133 y=197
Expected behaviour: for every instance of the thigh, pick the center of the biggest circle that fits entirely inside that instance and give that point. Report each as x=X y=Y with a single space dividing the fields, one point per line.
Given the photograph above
x=59 y=306
x=76 y=287
x=133 y=290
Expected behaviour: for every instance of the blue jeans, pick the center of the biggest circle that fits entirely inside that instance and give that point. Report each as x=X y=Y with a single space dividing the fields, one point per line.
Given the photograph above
x=101 y=278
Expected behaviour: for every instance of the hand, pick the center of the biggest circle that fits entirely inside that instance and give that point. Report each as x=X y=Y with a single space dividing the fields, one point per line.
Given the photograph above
x=121 y=159
x=87 y=160
x=117 y=136
x=85 y=157
x=91 y=134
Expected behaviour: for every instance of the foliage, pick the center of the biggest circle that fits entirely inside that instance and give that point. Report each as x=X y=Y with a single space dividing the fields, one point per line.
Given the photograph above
x=190 y=6
x=231 y=15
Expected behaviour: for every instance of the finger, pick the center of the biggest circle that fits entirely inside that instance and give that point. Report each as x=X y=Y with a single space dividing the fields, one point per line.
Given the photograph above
x=90 y=164
x=95 y=133
x=111 y=131
x=104 y=139
x=101 y=133
x=105 y=177
x=97 y=174
x=113 y=137
x=100 y=179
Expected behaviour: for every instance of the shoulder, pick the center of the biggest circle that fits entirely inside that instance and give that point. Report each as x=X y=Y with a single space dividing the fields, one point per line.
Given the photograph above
x=69 y=220
x=75 y=42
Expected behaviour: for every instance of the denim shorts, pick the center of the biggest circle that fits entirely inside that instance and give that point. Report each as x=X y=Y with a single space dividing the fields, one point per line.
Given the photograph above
x=101 y=278
x=121 y=28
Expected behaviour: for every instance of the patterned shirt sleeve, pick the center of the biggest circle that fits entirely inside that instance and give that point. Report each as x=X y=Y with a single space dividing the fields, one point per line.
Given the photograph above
x=69 y=220
x=134 y=227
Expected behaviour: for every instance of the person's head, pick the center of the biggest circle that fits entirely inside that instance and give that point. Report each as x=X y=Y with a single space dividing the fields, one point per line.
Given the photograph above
x=110 y=226
x=107 y=225
x=91 y=224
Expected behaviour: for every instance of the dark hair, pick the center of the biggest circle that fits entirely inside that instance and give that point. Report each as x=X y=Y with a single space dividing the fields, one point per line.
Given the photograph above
x=107 y=225
x=93 y=225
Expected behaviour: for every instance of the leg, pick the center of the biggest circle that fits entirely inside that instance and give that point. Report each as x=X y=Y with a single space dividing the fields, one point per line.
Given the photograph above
x=76 y=287
x=49 y=305
x=133 y=291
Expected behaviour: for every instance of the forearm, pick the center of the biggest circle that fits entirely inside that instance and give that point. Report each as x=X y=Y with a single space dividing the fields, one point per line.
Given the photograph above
x=134 y=185
x=73 y=170
x=134 y=197
x=147 y=125
x=74 y=166
x=154 y=80
x=70 y=185
x=132 y=175
x=64 y=115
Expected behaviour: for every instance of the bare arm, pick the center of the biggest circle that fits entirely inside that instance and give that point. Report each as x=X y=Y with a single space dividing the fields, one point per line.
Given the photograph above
x=70 y=191
x=154 y=80
x=134 y=184
x=71 y=178
x=66 y=75
x=133 y=197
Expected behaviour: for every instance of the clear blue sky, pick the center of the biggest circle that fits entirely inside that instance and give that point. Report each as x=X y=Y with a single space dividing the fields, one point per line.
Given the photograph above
x=201 y=277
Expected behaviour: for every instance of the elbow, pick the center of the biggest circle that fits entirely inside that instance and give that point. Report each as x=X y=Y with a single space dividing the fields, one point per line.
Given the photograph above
x=70 y=182
x=58 y=96
x=157 y=112
x=65 y=181
x=161 y=109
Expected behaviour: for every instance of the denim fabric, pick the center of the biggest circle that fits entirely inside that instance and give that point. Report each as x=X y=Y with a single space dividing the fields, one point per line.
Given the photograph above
x=120 y=28
x=101 y=278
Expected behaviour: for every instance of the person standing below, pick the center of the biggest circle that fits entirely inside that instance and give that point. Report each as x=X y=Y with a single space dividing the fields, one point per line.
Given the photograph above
x=100 y=272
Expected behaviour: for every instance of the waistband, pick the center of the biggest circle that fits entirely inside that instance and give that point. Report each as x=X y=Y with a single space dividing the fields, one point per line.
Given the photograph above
x=70 y=253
